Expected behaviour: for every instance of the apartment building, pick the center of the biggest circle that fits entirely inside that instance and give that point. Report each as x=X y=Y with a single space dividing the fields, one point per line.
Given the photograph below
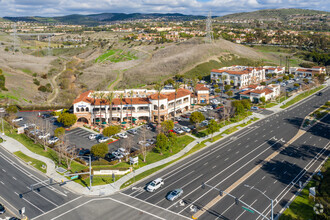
x=140 y=104
x=299 y=71
x=255 y=92
x=238 y=76
x=274 y=70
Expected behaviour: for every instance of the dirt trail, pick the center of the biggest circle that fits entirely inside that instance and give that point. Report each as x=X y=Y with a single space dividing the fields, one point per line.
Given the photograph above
x=55 y=92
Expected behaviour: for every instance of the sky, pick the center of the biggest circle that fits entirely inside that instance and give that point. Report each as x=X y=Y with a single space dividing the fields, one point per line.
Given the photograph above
x=49 y=8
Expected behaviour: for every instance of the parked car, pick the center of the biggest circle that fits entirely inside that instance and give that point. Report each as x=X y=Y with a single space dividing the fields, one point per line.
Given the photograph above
x=117 y=155
x=53 y=140
x=254 y=108
x=83 y=152
x=94 y=136
x=178 y=118
x=151 y=141
x=110 y=157
x=2 y=209
x=145 y=143
x=123 y=151
x=43 y=116
x=17 y=119
x=156 y=184
x=35 y=132
x=103 y=139
x=174 y=194
x=186 y=129
x=122 y=135
x=178 y=131
x=43 y=135
x=132 y=131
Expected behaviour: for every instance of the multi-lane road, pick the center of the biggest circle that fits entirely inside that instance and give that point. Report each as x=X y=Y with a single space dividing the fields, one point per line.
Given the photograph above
x=222 y=165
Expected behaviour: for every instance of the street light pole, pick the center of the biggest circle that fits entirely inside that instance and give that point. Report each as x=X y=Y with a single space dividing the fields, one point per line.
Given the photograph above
x=271 y=201
x=90 y=172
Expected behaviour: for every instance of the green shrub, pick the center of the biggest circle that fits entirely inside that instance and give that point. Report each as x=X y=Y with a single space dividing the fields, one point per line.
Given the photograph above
x=37 y=82
x=42 y=88
x=100 y=150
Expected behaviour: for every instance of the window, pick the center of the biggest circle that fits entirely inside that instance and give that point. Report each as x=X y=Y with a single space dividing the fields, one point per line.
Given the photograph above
x=155 y=107
x=87 y=109
x=77 y=109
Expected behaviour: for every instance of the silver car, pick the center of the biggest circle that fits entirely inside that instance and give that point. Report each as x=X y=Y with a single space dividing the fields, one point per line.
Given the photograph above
x=174 y=194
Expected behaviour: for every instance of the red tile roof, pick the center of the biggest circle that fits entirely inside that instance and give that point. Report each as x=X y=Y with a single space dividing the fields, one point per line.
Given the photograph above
x=155 y=96
x=181 y=93
x=201 y=87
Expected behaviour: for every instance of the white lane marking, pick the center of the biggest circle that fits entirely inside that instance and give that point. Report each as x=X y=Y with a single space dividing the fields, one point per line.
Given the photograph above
x=30 y=203
x=263 y=177
x=218 y=156
x=231 y=173
x=57 y=207
x=248 y=139
x=229 y=150
x=4 y=170
x=304 y=142
x=14 y=178
x=2 y=183
x=271 y=131
x=214 y=167
x=238 y=144
x=43 y=197
x=206 y=163
x=245 y=210
x=154 y=205
x=246 y=146
x=226 y=158
x=264 y=135
x=314 y=145
x=133 y=207
x=275 y=181
x=255 y=140
x=237 y=152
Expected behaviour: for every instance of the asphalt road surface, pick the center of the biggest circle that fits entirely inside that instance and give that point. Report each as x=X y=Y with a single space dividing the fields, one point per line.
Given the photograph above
x=15 y=180
x=225 y=162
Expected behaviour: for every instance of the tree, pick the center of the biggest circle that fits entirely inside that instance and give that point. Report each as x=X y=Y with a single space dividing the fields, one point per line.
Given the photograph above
x=121 y=106
x=172 y=141
x=263 y=83
x=246 y=103
x=167 y=125
x=216 y=86
x=176 y=86
x=305 y=80
x=70 y=156
x=291 y=76
x=59 y=132
x=239 y=107
x=109 y=98
x=285 y=77
x=296 y=85
x=161 y=144
x=11 y=110
x=67 y=119
x=100 y=150
x=158 y=88
x=227 y=87
x=111 y=130
x=280 y=80
x=217 y=90
x=212 y=127
x=262 y=99
x=196 y=117
x=230 y=93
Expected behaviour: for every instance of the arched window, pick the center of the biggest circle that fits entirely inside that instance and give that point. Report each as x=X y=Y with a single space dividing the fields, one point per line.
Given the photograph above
x=162 y=107
x=82 y=109
x=77 y=109
x=87 y=109
x=155 y=107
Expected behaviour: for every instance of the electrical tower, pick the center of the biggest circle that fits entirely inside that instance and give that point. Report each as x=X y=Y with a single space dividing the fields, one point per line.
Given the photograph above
x=209 y=31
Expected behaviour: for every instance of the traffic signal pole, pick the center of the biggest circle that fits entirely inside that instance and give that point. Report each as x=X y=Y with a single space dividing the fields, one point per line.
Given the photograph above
x=237 y=200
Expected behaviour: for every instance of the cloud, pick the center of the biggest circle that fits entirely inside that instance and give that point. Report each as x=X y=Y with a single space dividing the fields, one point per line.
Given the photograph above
x=196 y=7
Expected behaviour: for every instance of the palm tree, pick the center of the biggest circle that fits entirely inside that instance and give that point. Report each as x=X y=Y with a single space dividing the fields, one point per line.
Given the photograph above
x=101 y=95
x=176 y=86
x=131 y=94
x=94 y=95
x=121 y=106
x=158 y=88
x=109 y=98
x=194 y=84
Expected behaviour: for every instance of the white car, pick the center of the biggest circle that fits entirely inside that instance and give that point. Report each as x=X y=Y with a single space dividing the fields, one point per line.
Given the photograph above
x=17 y=119
x=122 y=135
x=103 y=139
x=117 y=155
x=123 y=151
x=156 y=184
x=43 y=135
x=145 y=143
x=178 y=131
x=94 y=136
x=53 y=140
x=151 y=141
x=186 y=129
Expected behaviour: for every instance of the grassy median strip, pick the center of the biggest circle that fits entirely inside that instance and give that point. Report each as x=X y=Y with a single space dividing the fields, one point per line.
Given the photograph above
x=33 y=162
x=302 y=96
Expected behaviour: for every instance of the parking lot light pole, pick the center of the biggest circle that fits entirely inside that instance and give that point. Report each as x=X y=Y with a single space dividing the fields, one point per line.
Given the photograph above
x=90 y=171
x=272 y=201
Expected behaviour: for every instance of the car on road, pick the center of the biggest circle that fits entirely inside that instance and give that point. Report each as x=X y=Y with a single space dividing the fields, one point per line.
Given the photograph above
x=43 y=135
x=174 y=194
x=132 y=131
x=156 y=184
x=186 y=129
x=94 y=136
x=2 y=209
x=53 y=140
x=103 y=139
x=122 y=135
x=17 y=119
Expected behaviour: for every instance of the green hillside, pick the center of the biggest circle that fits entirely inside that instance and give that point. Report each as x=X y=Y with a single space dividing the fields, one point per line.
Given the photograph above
x=280 y=14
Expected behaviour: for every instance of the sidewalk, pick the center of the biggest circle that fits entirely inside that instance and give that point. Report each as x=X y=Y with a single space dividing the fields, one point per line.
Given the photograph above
x=12 y=145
